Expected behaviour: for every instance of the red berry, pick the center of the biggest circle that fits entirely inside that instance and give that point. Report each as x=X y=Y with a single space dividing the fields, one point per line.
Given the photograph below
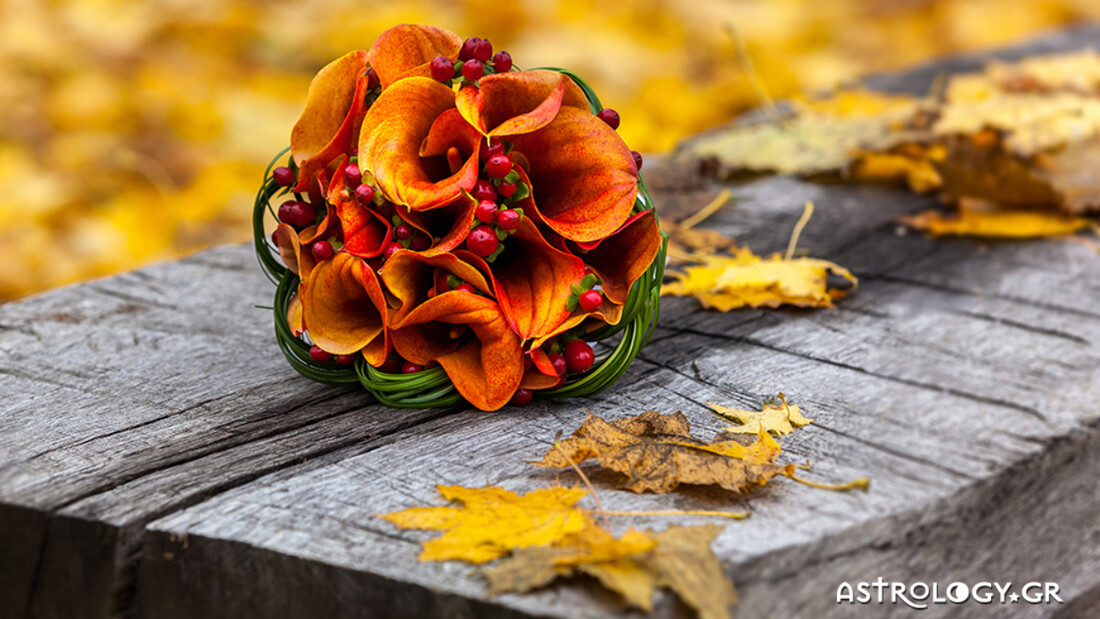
x=560 y=365
x=443 y=69
x=392 y=365
x=591 y=300
x=637 y=159
x=352 y=176
x=467 y=51
x=508 y=219
x=579 y=356
x=403 y=231
x=420 y=242
x=498 y=166
x=484 y=190
x=318 y=355
x=322 y=250
x=467 y=287
x=502 y=62
x=345 y=359
x=486 y=212
x=372 y=79
x=522 y=397
x=364 y=193
x=506 y=189
x=473 y=70
x=284 y=176
x=490 y=147
x=483 y=50
x=482 y=240
x=411 y=368
x=391 y=249
x=609 y=116
x=297 y=214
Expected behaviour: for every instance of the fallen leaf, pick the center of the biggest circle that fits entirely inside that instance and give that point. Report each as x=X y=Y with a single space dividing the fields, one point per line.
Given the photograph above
x=776 y=416
x=492 y=521
x=819 y=137
x=684 y=562
x=997 y=224
x=633 y=566
x=746 y=280
x=593 y=551
x=657 y=453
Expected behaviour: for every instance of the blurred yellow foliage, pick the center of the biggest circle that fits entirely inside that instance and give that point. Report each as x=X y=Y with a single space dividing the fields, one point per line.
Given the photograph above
x=135 y=131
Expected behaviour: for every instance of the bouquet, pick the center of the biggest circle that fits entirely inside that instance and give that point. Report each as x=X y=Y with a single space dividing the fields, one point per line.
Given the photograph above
x=450 y=227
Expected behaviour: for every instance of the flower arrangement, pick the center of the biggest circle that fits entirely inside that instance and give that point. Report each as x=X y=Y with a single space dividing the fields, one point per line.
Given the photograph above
x=454 y=228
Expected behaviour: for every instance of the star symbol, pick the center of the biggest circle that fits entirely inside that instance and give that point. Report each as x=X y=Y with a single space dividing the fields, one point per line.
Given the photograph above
x=1014 y=598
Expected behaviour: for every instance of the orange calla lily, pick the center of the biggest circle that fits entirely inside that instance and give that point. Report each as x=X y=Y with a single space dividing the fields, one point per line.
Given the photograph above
x=390 y=146
x=330 y=122
x=624 y=256
x=583 y=177
x=470 y=338
x=533 y=281
x=345 y=310
x=447 y=226
x=407 y=50
x=410 y=275
x=516 y=103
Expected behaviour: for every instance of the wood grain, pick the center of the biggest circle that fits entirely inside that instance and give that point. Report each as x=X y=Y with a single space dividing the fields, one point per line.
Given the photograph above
x=158 y=457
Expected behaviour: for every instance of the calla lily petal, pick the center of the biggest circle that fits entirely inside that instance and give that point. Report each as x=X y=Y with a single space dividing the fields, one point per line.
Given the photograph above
x=390 y=140
x=295 y=319
x=486 y=367
x=334 y=108
x=517 y=102
x=533 y=281
x=345 y=309
x=448 y=226
x=408 y=275
x=624 y=256
x=583 y=176
x=407 y=50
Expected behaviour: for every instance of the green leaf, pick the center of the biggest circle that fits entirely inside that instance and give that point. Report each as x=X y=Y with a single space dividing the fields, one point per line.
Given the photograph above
x=511 y=177
x=522 y=192
x=577 y=289
x=571 y=303
x=501 y=234
x=588 y=281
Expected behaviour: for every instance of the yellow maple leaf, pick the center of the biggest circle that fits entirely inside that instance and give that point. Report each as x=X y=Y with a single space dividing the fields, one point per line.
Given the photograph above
x=747 y=280
x=776 y=416
x=492 y=521
x=997 y=224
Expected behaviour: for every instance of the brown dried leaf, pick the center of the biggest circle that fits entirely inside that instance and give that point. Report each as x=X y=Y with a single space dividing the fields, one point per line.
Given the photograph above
x=633 y=566
x=657 y=453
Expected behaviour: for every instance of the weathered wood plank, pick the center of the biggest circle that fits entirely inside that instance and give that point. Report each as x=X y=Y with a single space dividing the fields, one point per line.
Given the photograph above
x=158 y=458
x=138 y=395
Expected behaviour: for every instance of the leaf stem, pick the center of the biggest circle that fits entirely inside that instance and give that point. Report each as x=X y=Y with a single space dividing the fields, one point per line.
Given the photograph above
x=711 y=208
x=599 y=506
x=856 y=484
x=807 y=213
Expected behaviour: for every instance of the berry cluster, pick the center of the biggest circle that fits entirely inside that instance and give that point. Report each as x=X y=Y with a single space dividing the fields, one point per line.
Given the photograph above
x=475 y=59
x=498 y=192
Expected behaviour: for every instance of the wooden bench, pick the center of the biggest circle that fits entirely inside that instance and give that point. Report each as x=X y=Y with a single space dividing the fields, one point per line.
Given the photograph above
x=159 y=458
